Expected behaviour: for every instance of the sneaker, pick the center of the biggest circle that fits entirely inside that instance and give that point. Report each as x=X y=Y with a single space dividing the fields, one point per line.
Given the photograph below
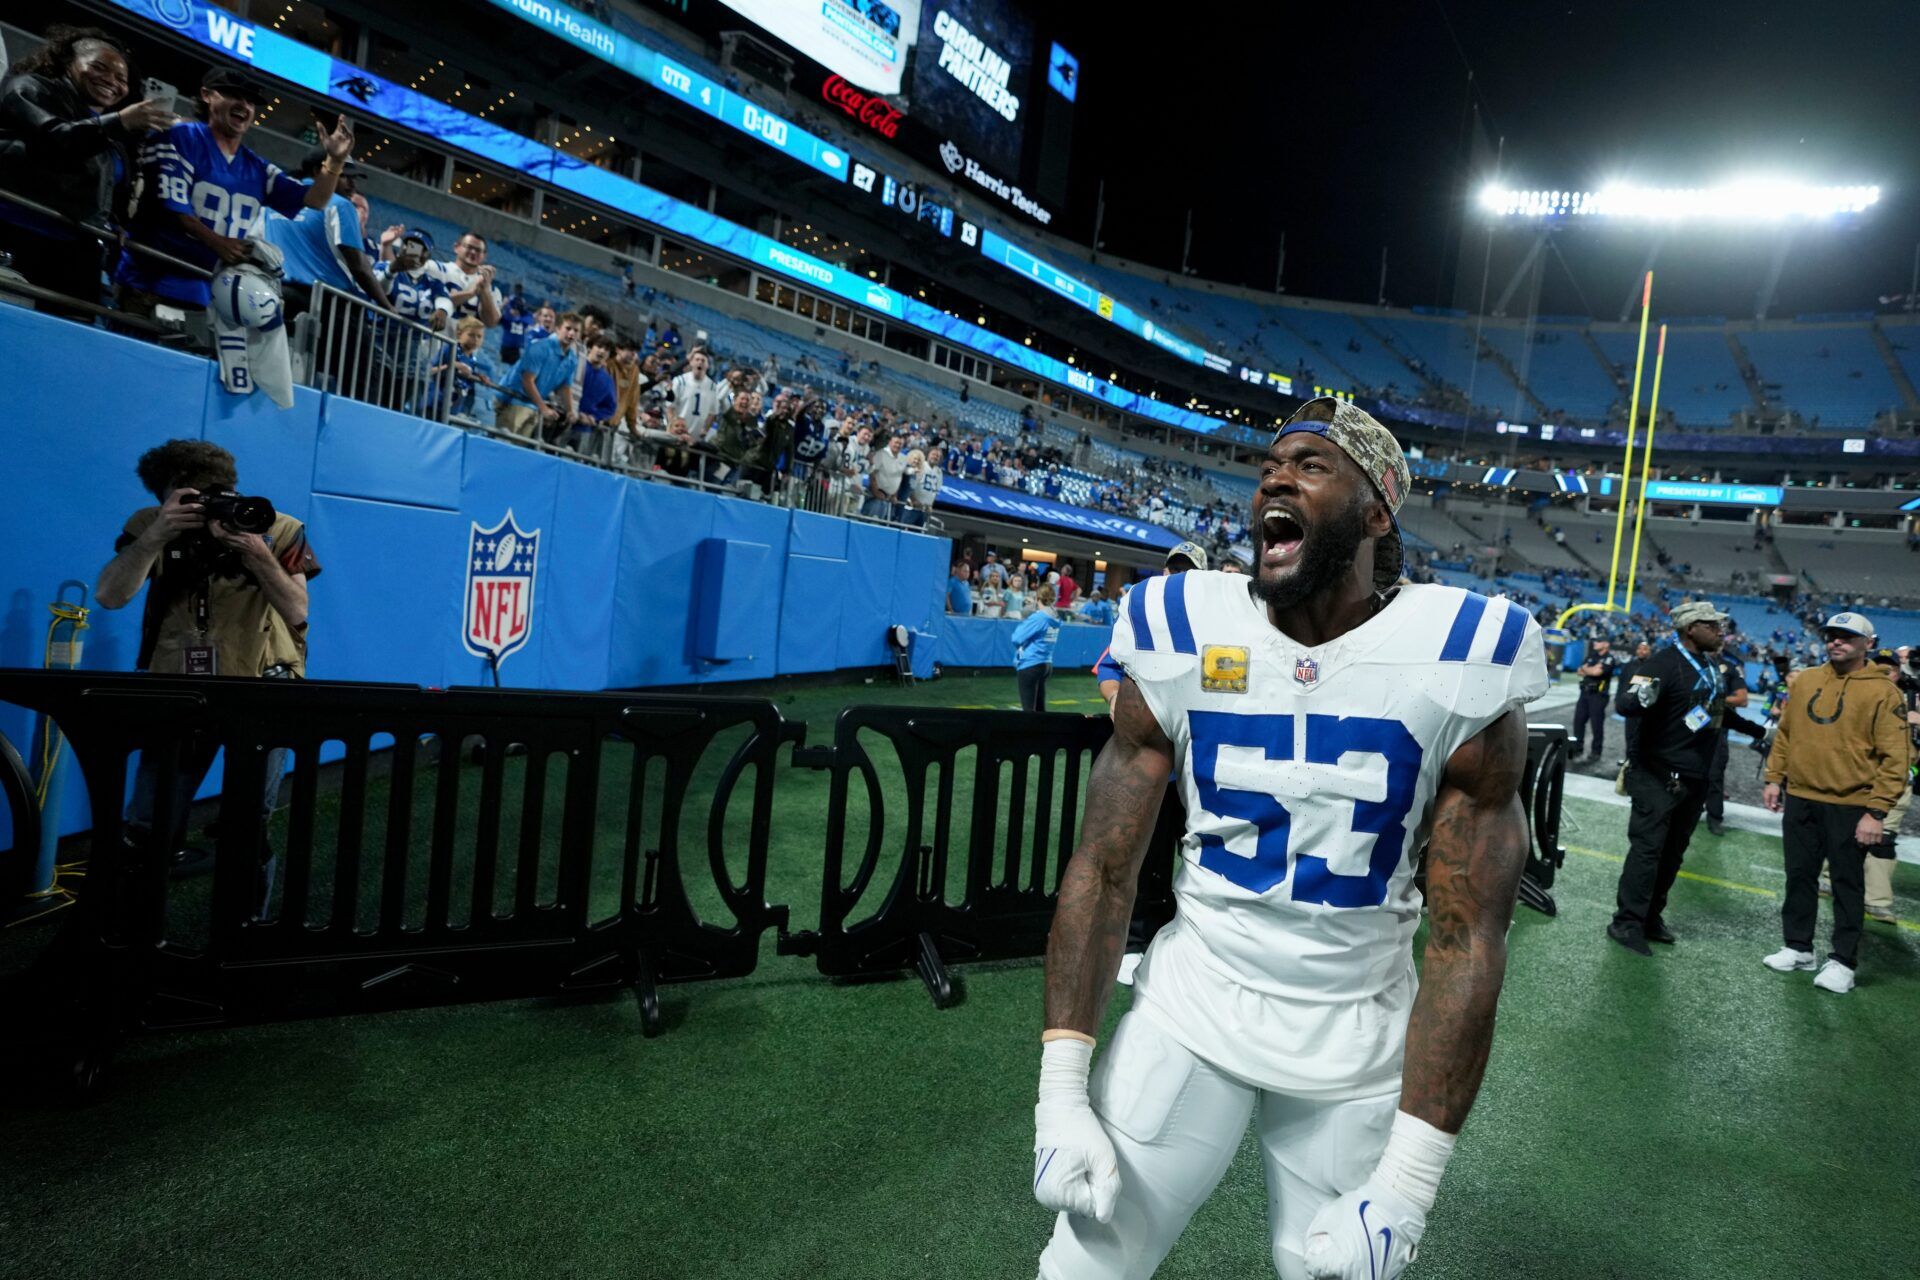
x=1883 y=914
x=1826 y=886
x=1716 y=827
x=1786 y=960
x=1657 y=931
x=1834 y=977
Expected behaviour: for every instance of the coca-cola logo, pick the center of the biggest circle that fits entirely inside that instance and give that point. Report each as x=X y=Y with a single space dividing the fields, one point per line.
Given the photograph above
x=869 y=109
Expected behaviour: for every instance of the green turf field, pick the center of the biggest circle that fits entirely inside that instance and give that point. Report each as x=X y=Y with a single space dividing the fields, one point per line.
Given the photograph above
x=1692 y=1115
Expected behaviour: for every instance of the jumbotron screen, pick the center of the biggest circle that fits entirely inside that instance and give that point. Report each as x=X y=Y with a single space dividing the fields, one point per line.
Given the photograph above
x=865 y=42
x=972 y=76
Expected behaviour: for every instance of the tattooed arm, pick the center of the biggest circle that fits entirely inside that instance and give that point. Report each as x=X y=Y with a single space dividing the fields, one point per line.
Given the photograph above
x=1474 y=861
x=1124 y=792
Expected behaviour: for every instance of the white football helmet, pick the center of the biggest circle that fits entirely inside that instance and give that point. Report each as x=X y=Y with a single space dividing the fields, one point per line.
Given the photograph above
x=245 y=298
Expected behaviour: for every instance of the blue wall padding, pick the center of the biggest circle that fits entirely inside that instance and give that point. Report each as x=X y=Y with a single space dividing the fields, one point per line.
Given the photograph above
x=811 y=612
x=368 y=452
x=920 y=581
x=653 y=606
x=496 y=478
x=578 y=621
x=867 y=604
x=733 y=584
x=390 y=502
x=755 y=653
x=824 y=537
x=988 y=642
x=386 y=605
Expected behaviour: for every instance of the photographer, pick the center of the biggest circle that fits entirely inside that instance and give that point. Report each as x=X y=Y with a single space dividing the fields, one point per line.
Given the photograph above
x=229 y=597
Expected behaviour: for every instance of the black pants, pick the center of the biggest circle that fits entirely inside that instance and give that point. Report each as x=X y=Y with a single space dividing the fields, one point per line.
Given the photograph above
x=1814 y=833
x=1033 y=686
x=1717 y=779
x=1664 y=815
x=1590 y=708
x=66 y=266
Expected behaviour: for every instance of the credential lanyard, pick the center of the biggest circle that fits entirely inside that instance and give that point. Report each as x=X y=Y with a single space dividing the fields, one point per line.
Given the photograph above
x=1709 y=675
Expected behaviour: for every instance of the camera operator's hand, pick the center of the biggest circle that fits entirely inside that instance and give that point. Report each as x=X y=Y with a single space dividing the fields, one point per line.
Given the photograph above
x=251 y=546
x=179 y=514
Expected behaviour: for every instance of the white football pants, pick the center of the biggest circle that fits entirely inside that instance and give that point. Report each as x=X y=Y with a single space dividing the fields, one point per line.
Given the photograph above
x=1176 y=1121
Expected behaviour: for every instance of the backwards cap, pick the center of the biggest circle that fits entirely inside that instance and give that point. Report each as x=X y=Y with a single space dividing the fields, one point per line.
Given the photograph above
x=1374 y=449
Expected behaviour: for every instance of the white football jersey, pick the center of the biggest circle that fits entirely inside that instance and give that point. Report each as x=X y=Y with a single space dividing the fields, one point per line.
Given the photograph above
x=1309 y=776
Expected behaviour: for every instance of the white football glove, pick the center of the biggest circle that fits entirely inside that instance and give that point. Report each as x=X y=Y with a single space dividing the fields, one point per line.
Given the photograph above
x=1074 y=1168
x=1369 y=1234
x=1373 y=1232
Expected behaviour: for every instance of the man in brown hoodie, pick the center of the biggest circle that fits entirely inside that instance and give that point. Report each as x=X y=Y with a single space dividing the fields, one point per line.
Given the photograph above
x=1840 y=755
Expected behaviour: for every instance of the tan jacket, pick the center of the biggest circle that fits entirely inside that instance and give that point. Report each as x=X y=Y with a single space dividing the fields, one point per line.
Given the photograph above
x=1842 y=739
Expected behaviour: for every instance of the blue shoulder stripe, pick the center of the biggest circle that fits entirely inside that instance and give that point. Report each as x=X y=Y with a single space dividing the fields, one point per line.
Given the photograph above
x=1512 y=631
x=1177 y=624
x=1465 y=623
x=1137 y=616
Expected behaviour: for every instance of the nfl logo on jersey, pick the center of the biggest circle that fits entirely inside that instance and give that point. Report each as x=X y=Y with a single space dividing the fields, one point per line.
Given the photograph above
x=1305 y=671
x=501 y=564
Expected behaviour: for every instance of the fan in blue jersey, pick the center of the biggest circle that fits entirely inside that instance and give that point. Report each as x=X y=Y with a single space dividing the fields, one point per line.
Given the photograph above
x=515 y=319
x=201 y=192
x=414 y=288
x=324 y=245
x=1322 y=722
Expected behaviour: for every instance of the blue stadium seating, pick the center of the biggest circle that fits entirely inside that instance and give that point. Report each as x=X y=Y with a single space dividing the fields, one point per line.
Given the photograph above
x=1701 y=385
x=1833 y=373
x=1560 y=368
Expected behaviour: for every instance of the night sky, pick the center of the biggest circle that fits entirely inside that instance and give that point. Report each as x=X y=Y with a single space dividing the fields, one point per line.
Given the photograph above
x=1345 y=126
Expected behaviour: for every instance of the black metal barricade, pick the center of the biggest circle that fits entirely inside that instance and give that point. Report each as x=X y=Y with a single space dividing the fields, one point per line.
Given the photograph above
x=498 y=907
x=1541 y=789
x=972 y=868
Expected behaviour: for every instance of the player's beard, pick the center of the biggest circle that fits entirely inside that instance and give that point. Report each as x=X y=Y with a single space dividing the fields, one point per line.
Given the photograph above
x=1326 y=558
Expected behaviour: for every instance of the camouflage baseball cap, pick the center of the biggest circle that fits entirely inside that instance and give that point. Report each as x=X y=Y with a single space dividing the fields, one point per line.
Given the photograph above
x=1694 y=611
x=1195 y=554
x=1377 y=453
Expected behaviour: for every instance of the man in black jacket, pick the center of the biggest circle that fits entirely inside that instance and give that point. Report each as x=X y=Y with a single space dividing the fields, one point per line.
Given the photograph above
x=1676 y=698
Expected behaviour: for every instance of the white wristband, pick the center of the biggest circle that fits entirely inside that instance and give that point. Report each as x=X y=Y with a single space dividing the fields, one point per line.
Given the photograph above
x=1064 y=1065
x=1416 y=1156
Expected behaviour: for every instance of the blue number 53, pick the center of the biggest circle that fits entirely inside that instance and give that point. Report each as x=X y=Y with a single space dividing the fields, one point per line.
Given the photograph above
x=1328 y=739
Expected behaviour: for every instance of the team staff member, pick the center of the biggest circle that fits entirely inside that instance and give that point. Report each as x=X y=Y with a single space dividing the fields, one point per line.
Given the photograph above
x=1596 y=680
x=1838 y=765
x=1675 y=698
x=1033 y=642
x=221 y=603
x=1188 y=555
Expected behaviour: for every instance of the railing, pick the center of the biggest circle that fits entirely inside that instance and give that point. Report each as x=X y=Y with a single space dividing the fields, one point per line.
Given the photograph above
x=106 y=237
x=478 y=844
x=350 y=347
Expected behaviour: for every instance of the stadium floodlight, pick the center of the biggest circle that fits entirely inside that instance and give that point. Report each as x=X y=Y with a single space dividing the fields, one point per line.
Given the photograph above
x=1741 y=200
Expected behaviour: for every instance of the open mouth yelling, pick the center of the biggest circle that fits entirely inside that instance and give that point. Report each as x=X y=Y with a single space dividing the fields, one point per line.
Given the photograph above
x=1281 y=536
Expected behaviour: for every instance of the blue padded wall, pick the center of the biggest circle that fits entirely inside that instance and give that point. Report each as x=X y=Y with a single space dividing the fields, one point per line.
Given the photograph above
x=390 y=502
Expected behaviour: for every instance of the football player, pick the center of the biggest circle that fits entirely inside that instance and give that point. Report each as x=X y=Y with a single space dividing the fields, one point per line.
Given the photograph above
x=1322 y=724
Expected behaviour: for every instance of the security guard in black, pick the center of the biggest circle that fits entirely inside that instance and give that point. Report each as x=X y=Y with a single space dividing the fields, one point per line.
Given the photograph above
x=1590 y=708
x=1676 y=696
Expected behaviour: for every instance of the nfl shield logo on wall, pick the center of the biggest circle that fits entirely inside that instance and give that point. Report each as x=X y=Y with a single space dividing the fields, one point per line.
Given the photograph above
x=1305 y=671
x=501 y=564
